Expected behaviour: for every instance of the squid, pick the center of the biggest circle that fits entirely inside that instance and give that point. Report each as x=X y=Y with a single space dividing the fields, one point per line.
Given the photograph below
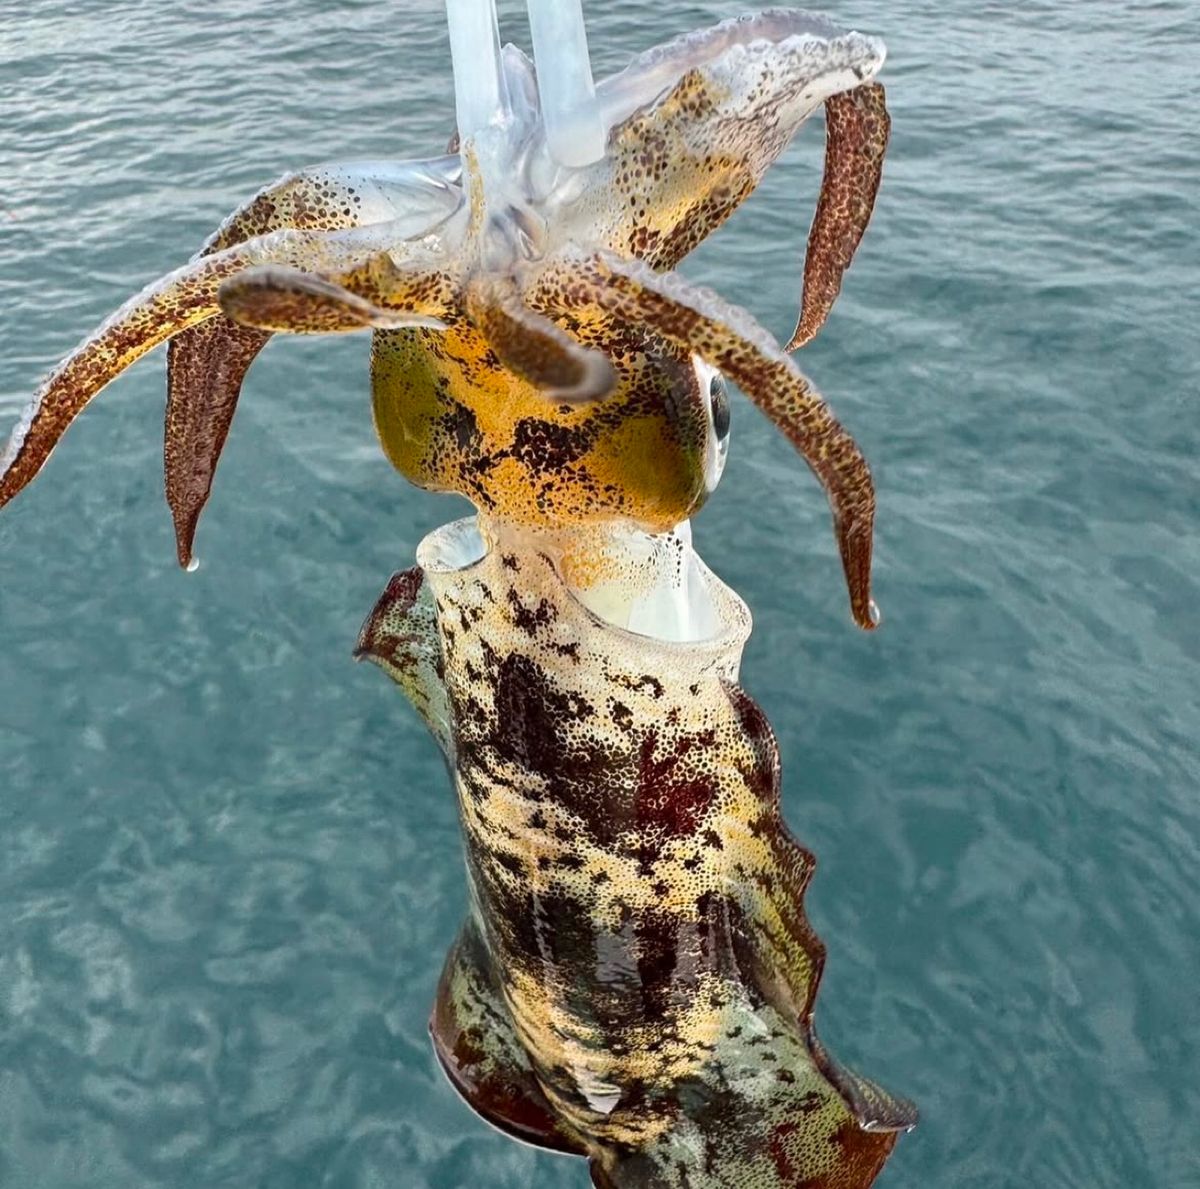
x=636 y=979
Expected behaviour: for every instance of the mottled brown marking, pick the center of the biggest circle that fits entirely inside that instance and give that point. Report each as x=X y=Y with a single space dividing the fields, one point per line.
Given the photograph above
x=475 y=1042
x=641 y=895
x=205 y=369
x=273 y=299
x=206 y=364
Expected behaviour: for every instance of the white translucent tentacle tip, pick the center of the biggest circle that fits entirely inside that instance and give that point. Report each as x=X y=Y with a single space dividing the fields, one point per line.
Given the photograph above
x=193 y=565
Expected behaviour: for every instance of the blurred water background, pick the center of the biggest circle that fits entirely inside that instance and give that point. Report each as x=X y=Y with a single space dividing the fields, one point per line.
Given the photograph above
x=229 y=859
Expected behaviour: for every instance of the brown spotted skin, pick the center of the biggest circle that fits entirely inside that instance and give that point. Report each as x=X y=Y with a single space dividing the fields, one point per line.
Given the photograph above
x=640 y=901
x=677 y=193
x=536 y=413
x=355 y=258
x=678 y=167
x=205 y=369
x=533 y=348
x=729 y=339
x=174 y=305
x=857 y=127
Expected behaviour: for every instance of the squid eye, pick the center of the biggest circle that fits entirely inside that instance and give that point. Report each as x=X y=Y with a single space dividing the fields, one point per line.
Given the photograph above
x=710 y=381
x=718 y=396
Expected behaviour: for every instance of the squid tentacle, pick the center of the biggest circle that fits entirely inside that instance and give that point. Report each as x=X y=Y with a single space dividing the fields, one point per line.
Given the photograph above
x=733 y=342
x=179 y=300
x=695 y=125
x=274 y=298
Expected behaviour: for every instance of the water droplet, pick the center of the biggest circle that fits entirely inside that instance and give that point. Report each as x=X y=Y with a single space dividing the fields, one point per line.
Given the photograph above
x=193 y=565
x=874 y=612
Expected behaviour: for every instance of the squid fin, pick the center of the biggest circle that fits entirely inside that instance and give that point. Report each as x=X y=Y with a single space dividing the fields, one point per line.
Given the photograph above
x=477 y=1045
x=401 y=637
x=762 y=1113
x=766 y=1106
x=875 y=1108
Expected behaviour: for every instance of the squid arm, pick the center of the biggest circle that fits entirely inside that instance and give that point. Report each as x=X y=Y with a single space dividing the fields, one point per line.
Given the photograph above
x=730 y=340
x=207 y=363
x=695 y=124
x=857 y=126
x=272 y=298
x=188 y=297
x=534 y=347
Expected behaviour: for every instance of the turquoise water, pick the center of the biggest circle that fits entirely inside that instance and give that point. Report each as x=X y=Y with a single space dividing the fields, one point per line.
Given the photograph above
x=229 y=859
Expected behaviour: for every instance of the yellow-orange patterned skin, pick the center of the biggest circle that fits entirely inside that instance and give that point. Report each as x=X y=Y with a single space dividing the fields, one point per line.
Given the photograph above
x=636 y=980
x=450 y=419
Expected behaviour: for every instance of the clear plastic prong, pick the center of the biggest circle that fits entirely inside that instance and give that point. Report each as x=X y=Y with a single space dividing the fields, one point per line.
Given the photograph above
x=480 y=90
x=575 y=130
